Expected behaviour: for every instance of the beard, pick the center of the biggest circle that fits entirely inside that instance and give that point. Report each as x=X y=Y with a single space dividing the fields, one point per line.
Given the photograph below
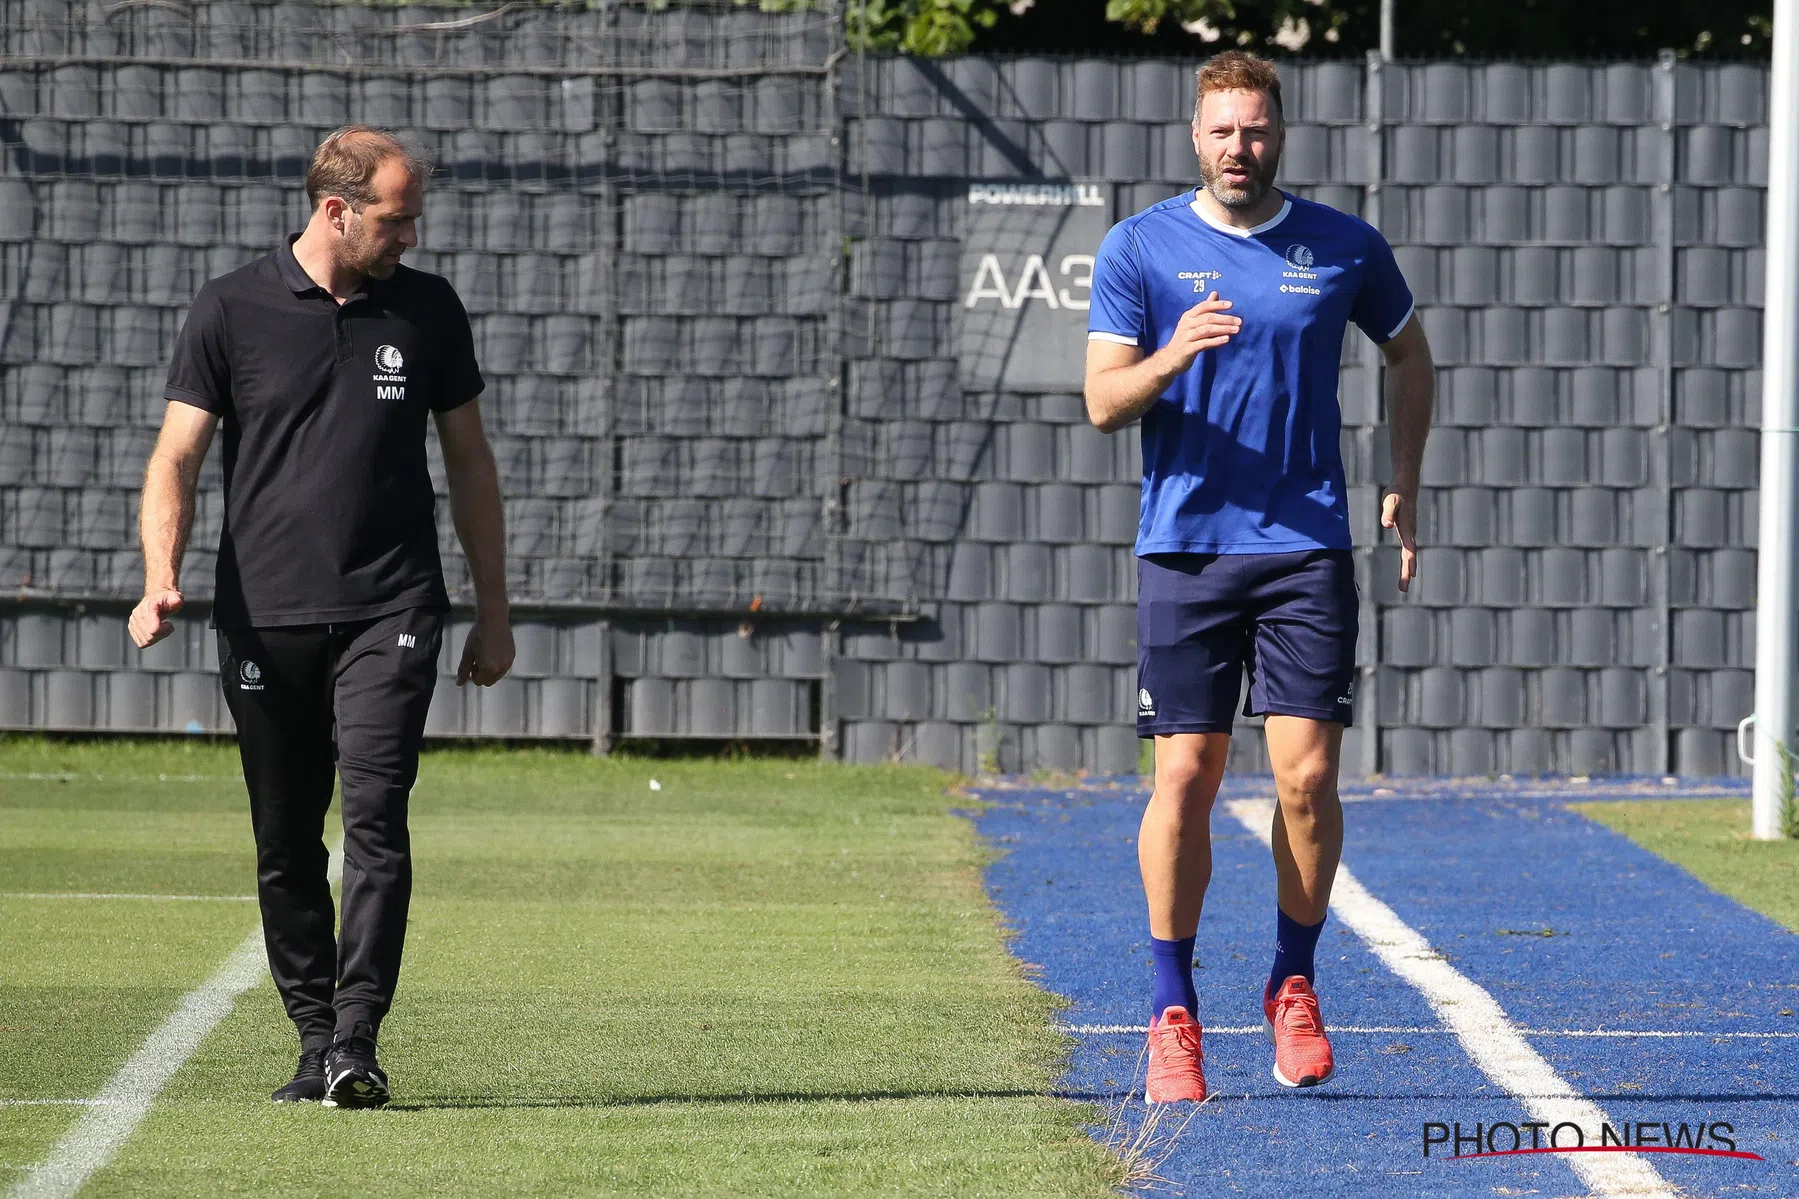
x=365 y=255
x=1261 y=179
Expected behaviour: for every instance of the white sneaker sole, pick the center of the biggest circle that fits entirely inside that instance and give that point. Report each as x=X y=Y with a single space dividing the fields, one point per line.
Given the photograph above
x=1268 y=1027
x=356 y=1093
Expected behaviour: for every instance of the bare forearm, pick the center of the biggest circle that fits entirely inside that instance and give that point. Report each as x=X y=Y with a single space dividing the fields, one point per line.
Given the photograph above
x=1410 y=394
x=1121 y=395
x=165 y=521
x=481 y=527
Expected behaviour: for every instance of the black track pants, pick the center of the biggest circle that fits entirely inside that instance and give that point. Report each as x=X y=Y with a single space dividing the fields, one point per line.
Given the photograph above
x=306 y=699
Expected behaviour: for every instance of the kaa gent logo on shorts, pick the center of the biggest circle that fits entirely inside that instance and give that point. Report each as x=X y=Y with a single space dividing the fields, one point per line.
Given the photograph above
x=250 y=676
x=391 y=362
x=1146 y=703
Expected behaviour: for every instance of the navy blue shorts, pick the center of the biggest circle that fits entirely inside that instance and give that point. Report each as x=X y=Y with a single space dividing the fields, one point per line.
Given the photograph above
x=1204 y=619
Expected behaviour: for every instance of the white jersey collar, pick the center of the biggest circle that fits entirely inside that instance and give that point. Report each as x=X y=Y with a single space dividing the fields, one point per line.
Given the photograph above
x=1200 y=212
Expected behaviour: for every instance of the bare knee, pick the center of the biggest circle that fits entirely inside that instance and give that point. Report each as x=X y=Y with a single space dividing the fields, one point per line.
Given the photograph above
x=1188 y=774
x=1190 y=786
x=1307 y=786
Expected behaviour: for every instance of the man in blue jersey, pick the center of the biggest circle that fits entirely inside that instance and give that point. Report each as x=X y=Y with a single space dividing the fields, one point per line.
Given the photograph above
x=1218 y=319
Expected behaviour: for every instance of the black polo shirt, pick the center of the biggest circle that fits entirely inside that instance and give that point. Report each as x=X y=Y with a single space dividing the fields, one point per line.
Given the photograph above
x=329 y=512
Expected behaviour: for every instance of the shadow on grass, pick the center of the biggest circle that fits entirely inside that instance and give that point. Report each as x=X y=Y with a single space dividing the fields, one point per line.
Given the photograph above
x=428 y=1103
x=470 y=1102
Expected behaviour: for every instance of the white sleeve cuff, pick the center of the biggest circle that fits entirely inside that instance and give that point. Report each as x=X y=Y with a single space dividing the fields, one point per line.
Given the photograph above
x=1115 y=338
x=1403 y=321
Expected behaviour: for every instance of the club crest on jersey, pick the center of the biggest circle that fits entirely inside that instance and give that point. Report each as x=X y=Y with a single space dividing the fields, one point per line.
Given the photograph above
x=1300 y=261
x=391 y=362
x=249 y=676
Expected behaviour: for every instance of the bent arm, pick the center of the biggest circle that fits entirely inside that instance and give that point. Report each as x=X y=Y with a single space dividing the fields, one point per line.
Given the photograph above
x=1122 y=383
x=475 y=506
x=166 y=515
x=1410 y=395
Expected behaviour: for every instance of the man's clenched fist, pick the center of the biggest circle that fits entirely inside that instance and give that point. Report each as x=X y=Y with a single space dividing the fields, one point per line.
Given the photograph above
x=1205 y=326
x=149 y=620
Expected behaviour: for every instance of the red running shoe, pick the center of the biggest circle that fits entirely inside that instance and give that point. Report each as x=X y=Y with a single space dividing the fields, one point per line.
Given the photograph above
x=1302 y=1053
x=1176 y=1061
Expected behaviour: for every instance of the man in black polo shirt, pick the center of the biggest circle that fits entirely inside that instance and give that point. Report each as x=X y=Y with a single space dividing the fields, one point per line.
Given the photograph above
x=321 y=362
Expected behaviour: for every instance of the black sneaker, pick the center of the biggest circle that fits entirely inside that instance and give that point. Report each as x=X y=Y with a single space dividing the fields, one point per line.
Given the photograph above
x=308 y=1085
x=352 y=1076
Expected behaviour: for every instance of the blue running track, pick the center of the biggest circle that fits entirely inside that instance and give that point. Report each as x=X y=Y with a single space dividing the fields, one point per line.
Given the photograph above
x=1483 y=873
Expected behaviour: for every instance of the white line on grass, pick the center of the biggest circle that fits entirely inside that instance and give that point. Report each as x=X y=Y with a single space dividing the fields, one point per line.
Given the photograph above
x=1495 y=1044
x=121 y=895
x=64 y=776
x=122 y=1103
x=1091 y=1030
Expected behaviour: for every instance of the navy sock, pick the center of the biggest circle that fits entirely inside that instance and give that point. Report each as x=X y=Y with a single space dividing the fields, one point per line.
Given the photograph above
x=1174 y=976
x=1294 y=946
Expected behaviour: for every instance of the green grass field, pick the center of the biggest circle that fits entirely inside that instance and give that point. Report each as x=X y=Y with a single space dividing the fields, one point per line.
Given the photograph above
x=1709 y=838
x=765 y=978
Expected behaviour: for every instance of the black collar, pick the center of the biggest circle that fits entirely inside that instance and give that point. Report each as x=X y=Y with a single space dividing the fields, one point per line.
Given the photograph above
x=300 y=283
x=292 y=273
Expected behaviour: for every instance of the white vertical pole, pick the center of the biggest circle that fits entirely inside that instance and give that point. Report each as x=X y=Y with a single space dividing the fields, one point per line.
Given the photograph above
x=1774 y=612
x=1386 y=30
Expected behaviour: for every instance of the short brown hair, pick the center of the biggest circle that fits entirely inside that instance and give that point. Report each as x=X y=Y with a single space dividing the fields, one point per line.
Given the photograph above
x=1239 y=71
x=345 y=163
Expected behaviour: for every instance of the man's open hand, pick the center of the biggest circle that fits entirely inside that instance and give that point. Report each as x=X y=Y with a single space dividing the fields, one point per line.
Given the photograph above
x=1400 y=513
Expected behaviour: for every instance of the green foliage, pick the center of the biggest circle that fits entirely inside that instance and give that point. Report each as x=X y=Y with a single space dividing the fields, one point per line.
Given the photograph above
x=1295 y=23
x=1532 y=29
x=926 y=27
x=1424 y=28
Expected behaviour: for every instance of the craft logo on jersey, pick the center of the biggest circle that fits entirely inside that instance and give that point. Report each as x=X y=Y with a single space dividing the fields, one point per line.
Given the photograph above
x=250 y=676
x=391 y=362
x=1200 y=278
x=1146 y=703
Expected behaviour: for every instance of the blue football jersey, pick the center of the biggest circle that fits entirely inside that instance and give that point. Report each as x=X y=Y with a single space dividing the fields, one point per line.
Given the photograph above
x=1241 y=454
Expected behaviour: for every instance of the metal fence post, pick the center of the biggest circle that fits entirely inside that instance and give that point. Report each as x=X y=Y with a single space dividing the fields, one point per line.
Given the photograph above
x=1368 y=613
x=1661 y=474
x=1774 y=615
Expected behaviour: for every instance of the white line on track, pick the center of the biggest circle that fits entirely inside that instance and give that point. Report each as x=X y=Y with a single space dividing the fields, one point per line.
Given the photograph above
x=1474 y=794
x=122 y=895
x=1492 y=1041
x=114 y=1114
x=1093 y=1030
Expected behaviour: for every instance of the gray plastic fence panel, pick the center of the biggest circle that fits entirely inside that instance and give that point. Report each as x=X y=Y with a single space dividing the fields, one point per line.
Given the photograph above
x=769 y=340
